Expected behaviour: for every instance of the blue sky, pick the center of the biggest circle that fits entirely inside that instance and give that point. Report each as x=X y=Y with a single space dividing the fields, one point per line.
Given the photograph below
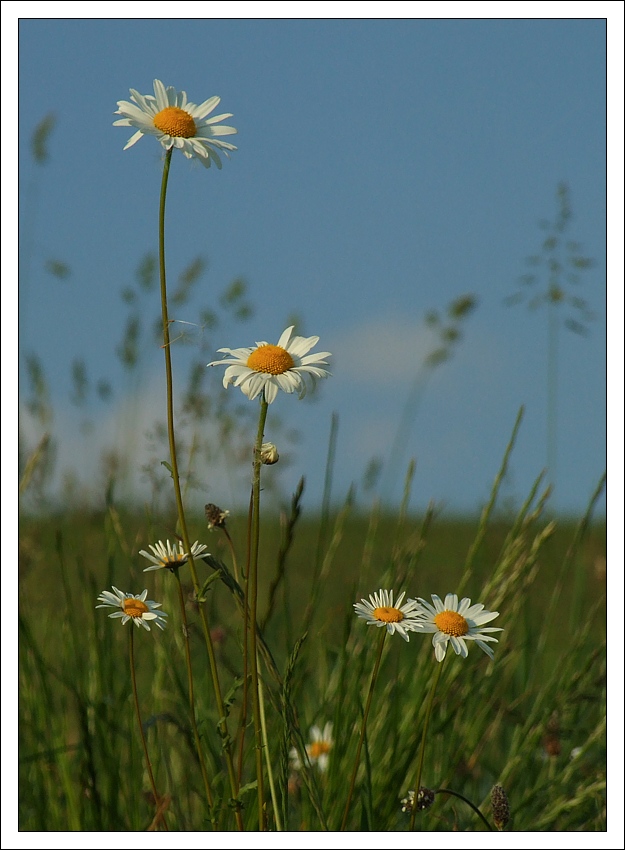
x=384 y=168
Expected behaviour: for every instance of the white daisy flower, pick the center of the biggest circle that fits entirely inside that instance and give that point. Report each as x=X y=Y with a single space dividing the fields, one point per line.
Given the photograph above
x=170 y=557
x=380 y=611
x=274 y=367
x=456 y=622
x=176 y=122
x=318 y=750
x=139 y=609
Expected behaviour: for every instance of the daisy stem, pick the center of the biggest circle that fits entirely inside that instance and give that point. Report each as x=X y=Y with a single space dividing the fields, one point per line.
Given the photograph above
x=253 y=603
x=160 y=816
x=246 y=615
x=468 y=802
x=428 y=712
x=196 y=734
x=235 y=566
x=374 y=676
x=223 y=725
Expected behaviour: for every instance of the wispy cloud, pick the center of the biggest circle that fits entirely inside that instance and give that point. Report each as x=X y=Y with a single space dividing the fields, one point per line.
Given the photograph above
x=382 y=351
x=130 y=436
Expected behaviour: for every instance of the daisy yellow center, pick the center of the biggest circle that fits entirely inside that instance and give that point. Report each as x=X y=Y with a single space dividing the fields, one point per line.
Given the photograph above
x=135 y=607
x=175 y=122
x=451 y=623
x=319 y=748
x=168 y=560
x=388 y=615
x=271 y=359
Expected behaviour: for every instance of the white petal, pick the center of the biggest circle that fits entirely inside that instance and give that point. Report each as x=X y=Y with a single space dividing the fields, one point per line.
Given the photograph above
x=460 y=647
x=486 y=617
x=486 y=649
x=451 y=602
x=318 y=357
x=271 y=391
x=428 y=609
x=301 y=345
x=205 y=108
x=283 y=342
x=133 y=140
x=161 y=95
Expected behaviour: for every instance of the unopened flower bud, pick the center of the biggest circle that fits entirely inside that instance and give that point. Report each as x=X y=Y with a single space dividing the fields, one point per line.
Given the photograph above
x=215 y=517
x=424 y=801
x=269 y=454
x=500 y=806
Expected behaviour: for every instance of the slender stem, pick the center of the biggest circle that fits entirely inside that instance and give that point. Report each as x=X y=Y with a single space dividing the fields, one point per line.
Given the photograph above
x=552 y=391
x=428 y=712
x=253 y=603
x=233 y=554
x=196 y=734
x=246 y=620
x=223 y=726
x=272 y=786
x=402 y=434
x=468 y=802
x=374 y=676
x=133 y=676
x=243 y=716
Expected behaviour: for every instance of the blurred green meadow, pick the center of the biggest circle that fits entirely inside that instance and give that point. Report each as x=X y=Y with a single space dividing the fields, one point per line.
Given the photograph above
x=532 y=720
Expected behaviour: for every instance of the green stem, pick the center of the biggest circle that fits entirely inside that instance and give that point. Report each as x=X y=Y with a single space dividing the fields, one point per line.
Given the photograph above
x=253 y=606
x=223 y=727
x=272 y=786
x=468 y=802
x=233 y=554
x=133 y=677
x=552 y=391
x=374 y=676
x=428 y=712
x=196 y=734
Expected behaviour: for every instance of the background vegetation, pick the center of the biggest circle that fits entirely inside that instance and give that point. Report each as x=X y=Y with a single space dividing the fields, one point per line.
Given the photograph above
x=533 y=720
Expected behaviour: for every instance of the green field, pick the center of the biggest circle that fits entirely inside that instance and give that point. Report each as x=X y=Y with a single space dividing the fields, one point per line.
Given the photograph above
x=532 y=720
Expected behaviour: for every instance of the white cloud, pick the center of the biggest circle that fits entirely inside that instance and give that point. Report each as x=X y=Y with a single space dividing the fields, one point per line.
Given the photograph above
x=83 y=441
x=384 y=350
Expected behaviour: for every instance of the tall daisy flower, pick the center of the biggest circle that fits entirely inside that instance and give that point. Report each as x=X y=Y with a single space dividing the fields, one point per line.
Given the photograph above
x=456 y=622
x=166 y=556
x=139 y=609
x=380 y=611
x=274 y=367
x=176 y=122
x=318 y=750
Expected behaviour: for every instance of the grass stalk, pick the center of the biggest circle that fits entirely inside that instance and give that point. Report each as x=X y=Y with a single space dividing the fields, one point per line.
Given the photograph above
x=160 y=814
x=426 y=722
x=253 y=609
x=374 y=676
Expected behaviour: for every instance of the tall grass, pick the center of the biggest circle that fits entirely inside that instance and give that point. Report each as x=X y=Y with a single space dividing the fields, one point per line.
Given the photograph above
x=532 y=720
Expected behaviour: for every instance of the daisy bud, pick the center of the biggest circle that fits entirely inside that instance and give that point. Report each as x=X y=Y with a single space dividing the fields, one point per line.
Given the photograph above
x=269 y=454
x=424 y=801
x=215 y=517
